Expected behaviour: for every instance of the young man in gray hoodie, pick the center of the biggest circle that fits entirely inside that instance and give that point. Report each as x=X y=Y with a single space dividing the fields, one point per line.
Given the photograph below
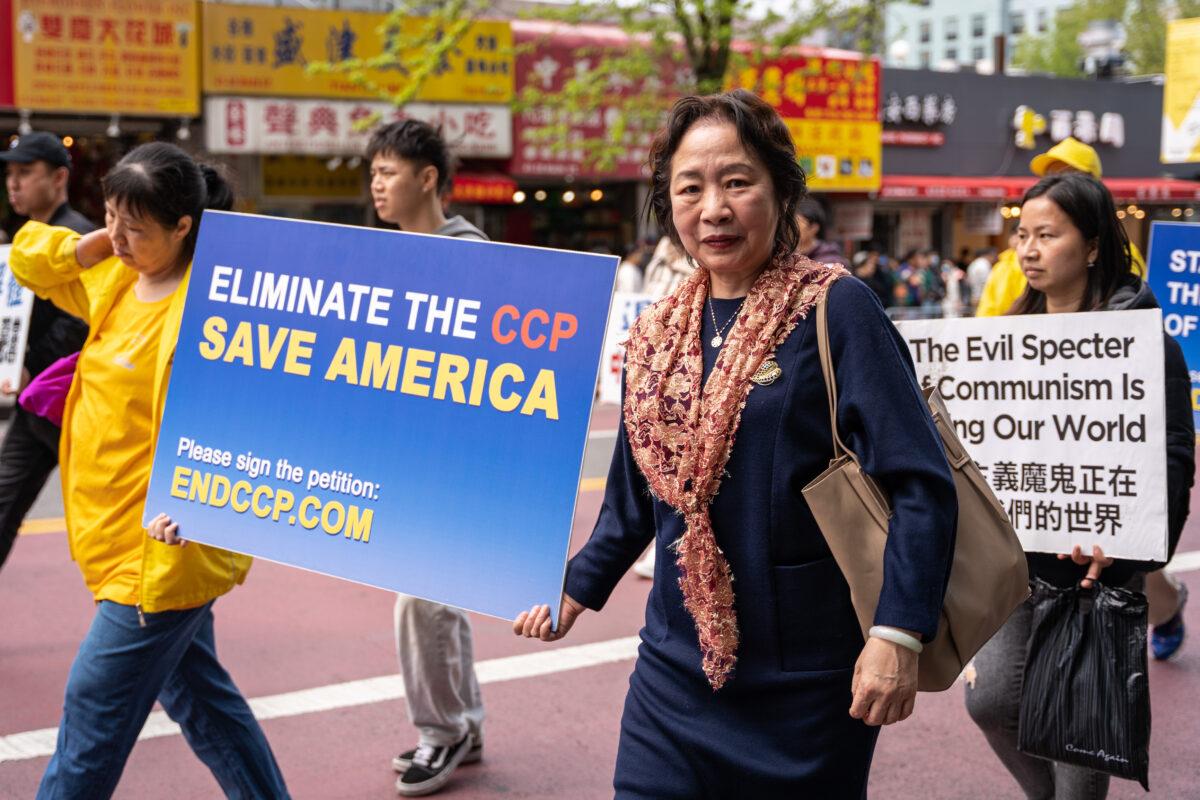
x=410 y=173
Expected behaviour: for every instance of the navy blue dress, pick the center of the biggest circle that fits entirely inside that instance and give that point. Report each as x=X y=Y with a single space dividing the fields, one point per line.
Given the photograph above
x=780 y=727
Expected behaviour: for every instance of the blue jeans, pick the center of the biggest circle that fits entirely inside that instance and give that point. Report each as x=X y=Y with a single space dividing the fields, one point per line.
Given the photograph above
x=120 y=669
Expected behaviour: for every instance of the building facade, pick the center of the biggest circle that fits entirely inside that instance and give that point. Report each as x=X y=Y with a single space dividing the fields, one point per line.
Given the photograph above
x=952 y=34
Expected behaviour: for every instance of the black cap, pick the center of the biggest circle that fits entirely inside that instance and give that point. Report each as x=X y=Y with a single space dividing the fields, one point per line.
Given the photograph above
x=38 y=146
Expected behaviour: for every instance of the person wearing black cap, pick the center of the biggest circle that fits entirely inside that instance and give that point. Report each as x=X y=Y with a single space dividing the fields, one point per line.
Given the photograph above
x=37 y=167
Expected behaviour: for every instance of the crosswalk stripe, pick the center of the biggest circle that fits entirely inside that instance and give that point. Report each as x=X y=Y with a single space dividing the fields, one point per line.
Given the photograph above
x=33 y=527
x=385 y=688
x=1185 y=562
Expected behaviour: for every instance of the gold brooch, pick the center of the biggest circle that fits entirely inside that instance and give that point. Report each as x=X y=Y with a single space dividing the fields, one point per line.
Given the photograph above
x=767 y=374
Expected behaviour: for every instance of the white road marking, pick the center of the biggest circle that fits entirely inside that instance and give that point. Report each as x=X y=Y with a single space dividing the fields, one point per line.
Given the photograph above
x=40 y=743
x=1185 y=562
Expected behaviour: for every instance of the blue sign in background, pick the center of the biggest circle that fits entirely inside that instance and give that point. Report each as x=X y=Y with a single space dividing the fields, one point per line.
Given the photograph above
x=1175 y=279
x=474 y=506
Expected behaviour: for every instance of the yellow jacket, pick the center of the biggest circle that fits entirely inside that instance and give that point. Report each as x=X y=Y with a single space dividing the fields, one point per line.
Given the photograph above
x=172 y=577
x=1006 y=282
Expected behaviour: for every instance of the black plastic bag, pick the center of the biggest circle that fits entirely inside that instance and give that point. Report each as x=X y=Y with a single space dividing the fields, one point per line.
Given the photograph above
x=1086 y=699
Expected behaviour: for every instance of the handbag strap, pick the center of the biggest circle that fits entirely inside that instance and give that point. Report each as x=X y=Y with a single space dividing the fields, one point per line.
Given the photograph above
x=839 y=447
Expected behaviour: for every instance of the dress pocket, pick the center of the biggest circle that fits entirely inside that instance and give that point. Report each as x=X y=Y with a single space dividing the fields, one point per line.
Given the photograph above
x=818 y=629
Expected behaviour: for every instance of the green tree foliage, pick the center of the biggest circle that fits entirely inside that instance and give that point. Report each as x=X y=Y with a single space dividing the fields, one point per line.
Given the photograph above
x=679 y=47
x=412 y=53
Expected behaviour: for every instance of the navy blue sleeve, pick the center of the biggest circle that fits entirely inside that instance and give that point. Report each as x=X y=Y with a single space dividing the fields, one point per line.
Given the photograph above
x=623 y=529
x=883 y=417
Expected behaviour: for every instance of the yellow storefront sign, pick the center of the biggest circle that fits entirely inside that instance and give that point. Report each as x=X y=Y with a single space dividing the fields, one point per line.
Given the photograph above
x=1181 y=93
x=111 y=56
x=306 y=176
x=258 y=50
x=839 y=156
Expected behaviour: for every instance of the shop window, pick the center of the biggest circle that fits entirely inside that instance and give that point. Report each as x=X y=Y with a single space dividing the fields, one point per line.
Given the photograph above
x=1018 y=23
x=951 y=29
x=925 y=32
x=977 y=25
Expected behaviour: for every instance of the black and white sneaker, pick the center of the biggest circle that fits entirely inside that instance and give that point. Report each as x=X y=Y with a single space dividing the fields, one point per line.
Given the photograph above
x=403 y=761
x=432 y=767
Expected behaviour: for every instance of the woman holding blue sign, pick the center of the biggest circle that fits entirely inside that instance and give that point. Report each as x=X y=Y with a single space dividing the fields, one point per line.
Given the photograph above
x=152 y=636
x=753 y=678
x=1075 y=255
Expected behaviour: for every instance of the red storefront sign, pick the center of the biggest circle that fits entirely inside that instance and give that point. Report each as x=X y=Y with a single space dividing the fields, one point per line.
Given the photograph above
x=1001 y=188
x=6 y=54
x=826 y=86
x=483 y=189
x=829 y=100
x=552 y=55
x=914 y=138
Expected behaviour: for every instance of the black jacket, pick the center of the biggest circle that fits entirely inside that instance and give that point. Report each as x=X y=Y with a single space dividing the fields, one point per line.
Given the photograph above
x=53 y=333
x=1181 y=457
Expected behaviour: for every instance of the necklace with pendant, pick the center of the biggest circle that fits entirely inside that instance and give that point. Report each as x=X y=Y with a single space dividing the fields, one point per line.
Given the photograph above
x=719 y=338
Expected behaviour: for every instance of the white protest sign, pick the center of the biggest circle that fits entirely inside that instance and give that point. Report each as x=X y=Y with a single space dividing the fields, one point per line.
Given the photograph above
x=16 y=304
x=1065 y=415
x=621 y=315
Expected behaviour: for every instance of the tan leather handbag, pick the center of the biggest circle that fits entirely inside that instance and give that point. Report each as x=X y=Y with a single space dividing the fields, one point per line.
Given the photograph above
x=989 y=577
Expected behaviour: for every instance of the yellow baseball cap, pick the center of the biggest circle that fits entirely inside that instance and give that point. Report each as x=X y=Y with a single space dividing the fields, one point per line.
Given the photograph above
x=1071 y=152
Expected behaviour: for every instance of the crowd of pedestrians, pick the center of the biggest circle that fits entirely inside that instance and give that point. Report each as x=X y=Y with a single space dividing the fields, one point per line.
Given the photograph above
x=748 y=609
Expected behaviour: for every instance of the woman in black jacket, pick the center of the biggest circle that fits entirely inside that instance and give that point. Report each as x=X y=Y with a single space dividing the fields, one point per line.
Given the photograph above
x=1076 y=257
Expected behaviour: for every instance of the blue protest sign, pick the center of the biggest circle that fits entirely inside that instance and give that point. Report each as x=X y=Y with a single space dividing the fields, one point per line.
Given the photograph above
x=1175 y=279
x=400 y=410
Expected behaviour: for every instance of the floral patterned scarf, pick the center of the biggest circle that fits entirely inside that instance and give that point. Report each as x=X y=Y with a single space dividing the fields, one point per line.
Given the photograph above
x=681 y=428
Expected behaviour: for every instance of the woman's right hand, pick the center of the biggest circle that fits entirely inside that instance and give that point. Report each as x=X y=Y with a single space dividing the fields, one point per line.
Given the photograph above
x=535 y=623
x=92 y=248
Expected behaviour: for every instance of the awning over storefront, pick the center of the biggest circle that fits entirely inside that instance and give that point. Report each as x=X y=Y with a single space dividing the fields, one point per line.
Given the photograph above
x=999 y=189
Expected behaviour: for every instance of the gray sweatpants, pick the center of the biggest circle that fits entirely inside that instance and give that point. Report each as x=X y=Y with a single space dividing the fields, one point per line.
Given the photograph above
x=994 y=703
x=437 y=662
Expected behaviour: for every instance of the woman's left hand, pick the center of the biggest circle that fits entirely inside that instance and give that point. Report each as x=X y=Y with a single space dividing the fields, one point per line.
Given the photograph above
x=164 y=530
x=884 y=684
x=1097 y=560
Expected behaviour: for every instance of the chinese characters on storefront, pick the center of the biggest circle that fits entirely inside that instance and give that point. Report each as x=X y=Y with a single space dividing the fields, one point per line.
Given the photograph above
x=913 y=120
x=331 y=127
x=1086 y=126
x=106 y=56
x=546 y=63
x=257 y=50
x=831 y=107
x=1065 y=415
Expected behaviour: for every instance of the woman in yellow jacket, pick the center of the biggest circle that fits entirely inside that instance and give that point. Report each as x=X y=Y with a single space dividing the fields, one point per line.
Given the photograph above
x=152 y=635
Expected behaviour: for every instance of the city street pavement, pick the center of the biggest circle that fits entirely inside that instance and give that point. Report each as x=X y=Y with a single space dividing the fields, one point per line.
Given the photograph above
x=315 y=654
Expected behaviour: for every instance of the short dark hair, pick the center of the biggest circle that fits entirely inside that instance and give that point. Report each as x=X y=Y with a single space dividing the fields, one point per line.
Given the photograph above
x=160 y=181
x=760 y=130
x=415 y=141
x=812 y=211
x=1089 y=205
